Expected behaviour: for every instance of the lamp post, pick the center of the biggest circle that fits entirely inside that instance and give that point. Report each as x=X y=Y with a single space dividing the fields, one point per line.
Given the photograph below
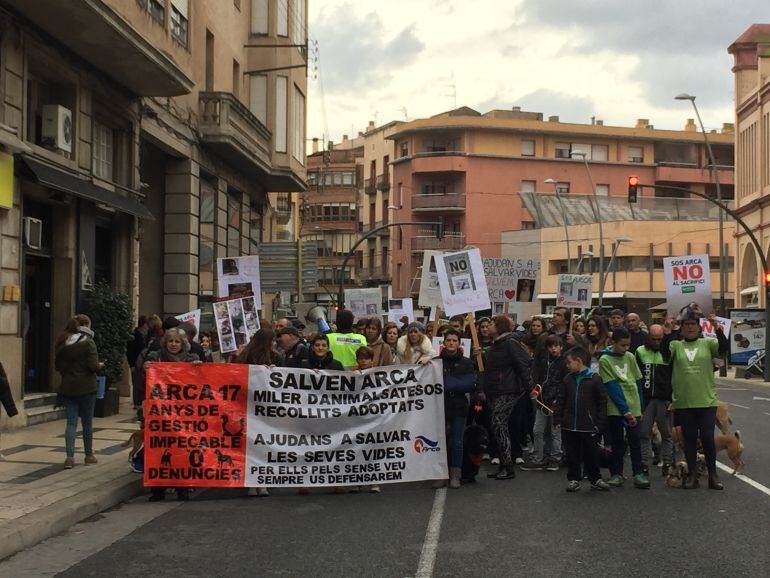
x=582 y=257
x=615 y=247
x=564 y=219
x=582 y=154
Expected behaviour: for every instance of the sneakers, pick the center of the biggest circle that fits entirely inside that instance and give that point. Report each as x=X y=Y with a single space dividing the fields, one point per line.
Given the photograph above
x=600 y=485
x=374 y=489
x=533 y=466
x=519 y=461
x=615 y=481
x=69 y=463
x=495 y=461
x=573 y=486
x=91 y=460
x=259 y=492
x=641 y=482
x=553 y=466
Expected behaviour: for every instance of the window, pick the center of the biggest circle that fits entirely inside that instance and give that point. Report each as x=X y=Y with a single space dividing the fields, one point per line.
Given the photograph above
x=528 y=186
x=635 y=155
x=283 y=17
x=258 y=97
x=527 y=148
x=603 y=190
x=562 y=188
x=179 y=19
x=297 y=22
x=259 y=17
x=347 y=179
x=206 y=241
x=404 y=149
x=281 y=87
x=103 y=151
x=236 y=79
x=156 y=8
x=600 y=152
x=209 y=61
x=528 y=225
x=256 y=222
x=298 y=126
x=233 y=225
x=562 y=150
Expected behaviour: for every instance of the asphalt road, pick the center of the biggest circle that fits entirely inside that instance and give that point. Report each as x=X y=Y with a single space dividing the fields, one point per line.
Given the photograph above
x=527 y=526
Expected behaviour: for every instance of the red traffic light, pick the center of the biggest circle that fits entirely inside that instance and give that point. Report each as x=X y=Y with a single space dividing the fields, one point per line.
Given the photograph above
x=633 y=181
x=767 y=278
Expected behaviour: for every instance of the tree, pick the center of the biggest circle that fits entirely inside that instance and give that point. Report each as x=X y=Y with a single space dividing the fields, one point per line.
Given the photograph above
x=111 y=322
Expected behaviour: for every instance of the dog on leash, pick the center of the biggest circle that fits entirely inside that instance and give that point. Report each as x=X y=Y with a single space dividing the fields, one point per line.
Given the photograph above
x=734 y=446
x=724 y=421
x=136 y=441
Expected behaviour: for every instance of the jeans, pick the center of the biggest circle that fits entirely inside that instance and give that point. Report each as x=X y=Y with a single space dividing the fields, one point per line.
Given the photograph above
x=619 y=433
x=582 y=451
x=79 y=406
x=698 y=422
x=547 y=441
x=455 y=431
x=655 y=412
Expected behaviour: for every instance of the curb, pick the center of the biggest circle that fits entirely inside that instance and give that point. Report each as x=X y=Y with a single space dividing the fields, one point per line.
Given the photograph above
x=35 y=527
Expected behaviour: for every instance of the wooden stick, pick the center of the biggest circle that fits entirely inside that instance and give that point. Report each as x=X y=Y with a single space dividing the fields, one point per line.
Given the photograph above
x=471 y=320
x=505 y=308
x=571 y=319
x=433 y=333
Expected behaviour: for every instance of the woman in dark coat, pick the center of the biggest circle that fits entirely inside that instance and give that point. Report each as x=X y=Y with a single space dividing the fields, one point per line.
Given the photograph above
x=6 y=398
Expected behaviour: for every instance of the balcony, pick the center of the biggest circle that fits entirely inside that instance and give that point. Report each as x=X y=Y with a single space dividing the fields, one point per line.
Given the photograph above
x=234 y=133
x=673 y=173
x=385 y=232
x=371 y=274
x=370 y=187
x=98 y=34
x=450 y=242
x=440 y=162
x=444 y=203
x=383 y=183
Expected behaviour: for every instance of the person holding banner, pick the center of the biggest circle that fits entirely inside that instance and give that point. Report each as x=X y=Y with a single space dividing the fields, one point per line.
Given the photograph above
x=344 y=342
x=320 y=356
x=459 y=381
x=507 y=382
x=390 y=336
x=694 y=392
x=373 y=334
x=415 y=347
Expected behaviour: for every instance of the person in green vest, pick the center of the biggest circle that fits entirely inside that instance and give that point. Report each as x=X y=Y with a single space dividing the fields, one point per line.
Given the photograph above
x=623 y=381
x=344 y=343
x=694 y=392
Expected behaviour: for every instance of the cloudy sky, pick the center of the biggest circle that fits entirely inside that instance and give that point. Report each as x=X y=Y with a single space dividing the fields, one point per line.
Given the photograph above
x=617 y=60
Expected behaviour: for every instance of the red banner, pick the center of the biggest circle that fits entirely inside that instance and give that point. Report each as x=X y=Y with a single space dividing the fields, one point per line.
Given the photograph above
x=195 y=424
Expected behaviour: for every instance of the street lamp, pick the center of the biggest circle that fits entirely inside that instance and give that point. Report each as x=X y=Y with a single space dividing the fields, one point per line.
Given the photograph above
x=583 y=256
x=564 y=219
x=582 y=155
x=615 y=246
x=713 y=168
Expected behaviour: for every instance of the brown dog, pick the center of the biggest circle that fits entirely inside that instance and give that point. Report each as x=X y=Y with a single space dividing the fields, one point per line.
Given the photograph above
x=136 y=441
x=724 y=421
x=734 y=446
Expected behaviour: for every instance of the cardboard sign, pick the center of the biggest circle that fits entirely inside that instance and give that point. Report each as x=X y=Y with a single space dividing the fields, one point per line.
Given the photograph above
x=430 y=291
x=237 y=321
x=363 y=302
x=708 y=330
x=688 y=285
x=462 y=282
x=193 y=317
x=253 y=426
x=748 y=339
x=240 y=276
x=511 y=280
x=398 y=308
x=574 y=291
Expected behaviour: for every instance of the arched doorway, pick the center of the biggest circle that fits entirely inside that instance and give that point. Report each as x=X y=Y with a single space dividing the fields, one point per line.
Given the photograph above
x=749 y=278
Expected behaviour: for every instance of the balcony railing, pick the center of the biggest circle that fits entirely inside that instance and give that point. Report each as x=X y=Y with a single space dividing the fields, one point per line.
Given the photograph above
x=371 y=274
x=451 y=241
x=383 y=183
x=370 y=187
x=438 y=202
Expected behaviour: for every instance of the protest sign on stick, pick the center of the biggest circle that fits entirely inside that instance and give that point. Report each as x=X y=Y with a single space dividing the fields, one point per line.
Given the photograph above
x=688 y=285
x=462 y=282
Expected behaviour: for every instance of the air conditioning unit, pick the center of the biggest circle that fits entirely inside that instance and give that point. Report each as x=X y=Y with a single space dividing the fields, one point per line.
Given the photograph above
x=33 y=232
x=57 y=127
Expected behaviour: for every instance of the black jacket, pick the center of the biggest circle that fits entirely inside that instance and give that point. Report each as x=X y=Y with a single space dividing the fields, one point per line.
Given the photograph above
x=550 y=374
x=582 y=403
x=135 y=346
x=459 y=381
x=328 y=362
x=637 y=340
x=507 y=367
x=295 y=356
x=656 y=373
x=6 y=396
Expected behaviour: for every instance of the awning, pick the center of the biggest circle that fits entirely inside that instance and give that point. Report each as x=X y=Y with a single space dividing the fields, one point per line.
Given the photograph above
x=750 y=290
x=607 y=295
x=62 y=180
x=659 y=307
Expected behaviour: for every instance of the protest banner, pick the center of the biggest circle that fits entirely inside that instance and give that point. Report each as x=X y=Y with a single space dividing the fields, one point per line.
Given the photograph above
x=363 y=302
x=574 y=291
x=240 y=276
x=254 y=426
x=398 y=308
x=430 y=292
x=193 y=317
x=511 y=280
x=237 y=320
x=708 y=329
x=465 y=343
x=462 y=282
x=748 y=329
x=688 y=285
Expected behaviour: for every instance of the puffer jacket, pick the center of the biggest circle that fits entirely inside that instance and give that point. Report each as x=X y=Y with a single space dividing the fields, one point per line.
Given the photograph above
x=459 y=381
x=78 y=363
x=582 y=403
x=507 y=367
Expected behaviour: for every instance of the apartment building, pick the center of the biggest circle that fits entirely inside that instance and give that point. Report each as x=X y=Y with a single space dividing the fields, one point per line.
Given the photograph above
x=751 y=70
x=469 y=167
x=139 y=141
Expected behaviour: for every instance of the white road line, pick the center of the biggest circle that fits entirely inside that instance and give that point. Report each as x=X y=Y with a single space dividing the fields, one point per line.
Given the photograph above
x=764 y=412
x=757 y=398
x=756 y=485
x=737 y=405
x=432 y=534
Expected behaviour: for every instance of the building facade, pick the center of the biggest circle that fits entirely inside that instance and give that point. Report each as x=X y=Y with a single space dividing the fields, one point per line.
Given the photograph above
x=751 y=70
x=143 y=149
x=469 y=168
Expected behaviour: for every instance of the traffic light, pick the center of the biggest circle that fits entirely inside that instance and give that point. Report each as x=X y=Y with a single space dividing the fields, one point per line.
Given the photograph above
x=633 y=187
x=767 y=288
x=440 y=228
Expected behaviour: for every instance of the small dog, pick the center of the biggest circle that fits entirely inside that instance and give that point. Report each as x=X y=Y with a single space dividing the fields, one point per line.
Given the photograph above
x=724 y=421
x=475 y=440
x=137 y=439
x=677 y=475
x=222 y=459
x=734 y=447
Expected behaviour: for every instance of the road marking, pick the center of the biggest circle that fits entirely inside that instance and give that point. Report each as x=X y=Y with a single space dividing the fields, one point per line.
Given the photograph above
x=756 y=485
x=738 y=405
x=430 y=545
x=757 y=398
x=764 y=412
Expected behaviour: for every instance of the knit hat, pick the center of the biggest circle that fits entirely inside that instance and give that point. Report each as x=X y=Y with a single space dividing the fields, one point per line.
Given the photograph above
x=416 y=325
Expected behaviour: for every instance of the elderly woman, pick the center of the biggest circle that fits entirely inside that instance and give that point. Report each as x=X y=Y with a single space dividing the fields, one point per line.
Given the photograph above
x=415 y=346
x=694 y=392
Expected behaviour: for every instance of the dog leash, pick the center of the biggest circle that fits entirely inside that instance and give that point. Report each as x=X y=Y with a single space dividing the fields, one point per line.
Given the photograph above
x=544 y=407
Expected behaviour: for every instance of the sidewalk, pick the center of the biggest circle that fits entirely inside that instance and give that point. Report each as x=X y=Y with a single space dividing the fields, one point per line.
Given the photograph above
x=732 y=380
x=39 y=498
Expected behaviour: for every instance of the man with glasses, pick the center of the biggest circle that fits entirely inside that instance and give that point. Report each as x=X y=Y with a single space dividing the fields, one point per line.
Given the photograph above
x=656 y=389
